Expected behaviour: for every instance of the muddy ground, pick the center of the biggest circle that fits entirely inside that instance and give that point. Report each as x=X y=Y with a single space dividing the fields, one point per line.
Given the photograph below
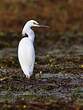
x=58 y=81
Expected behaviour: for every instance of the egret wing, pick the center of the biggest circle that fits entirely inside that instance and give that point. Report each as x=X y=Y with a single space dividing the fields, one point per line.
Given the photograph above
x=26 y=54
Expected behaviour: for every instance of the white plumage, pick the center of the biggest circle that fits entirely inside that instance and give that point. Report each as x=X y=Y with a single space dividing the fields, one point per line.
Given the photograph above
x=26 y=52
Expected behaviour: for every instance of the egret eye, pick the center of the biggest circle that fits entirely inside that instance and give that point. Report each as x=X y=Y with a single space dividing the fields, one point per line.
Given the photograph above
x=34 y=23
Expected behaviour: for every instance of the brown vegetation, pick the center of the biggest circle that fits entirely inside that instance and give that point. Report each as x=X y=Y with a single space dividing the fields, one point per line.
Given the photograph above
x=61 y=15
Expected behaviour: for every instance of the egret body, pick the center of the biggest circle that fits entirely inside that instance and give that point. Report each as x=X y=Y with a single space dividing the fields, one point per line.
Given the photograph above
x=26 y=52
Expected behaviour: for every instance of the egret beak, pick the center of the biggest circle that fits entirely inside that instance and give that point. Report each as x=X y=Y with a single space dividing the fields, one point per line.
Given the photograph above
x=43 y=26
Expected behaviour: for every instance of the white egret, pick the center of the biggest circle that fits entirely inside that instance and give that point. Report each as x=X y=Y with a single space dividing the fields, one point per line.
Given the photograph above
x=26 y=52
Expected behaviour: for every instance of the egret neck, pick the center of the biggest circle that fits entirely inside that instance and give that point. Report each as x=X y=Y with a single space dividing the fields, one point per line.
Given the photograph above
x=29 y=32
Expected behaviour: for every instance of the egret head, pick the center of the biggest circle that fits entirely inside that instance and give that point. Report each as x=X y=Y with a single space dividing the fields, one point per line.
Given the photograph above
x=28 y=25
x=33 y=23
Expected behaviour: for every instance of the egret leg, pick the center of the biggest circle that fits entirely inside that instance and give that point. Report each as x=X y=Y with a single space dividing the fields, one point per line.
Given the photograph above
x=33 y=77
x=27 y=77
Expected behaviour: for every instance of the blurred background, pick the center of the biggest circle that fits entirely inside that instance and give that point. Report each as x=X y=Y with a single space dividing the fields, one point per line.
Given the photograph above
x=64 y=17
x=59 y=51
x=61 y=15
